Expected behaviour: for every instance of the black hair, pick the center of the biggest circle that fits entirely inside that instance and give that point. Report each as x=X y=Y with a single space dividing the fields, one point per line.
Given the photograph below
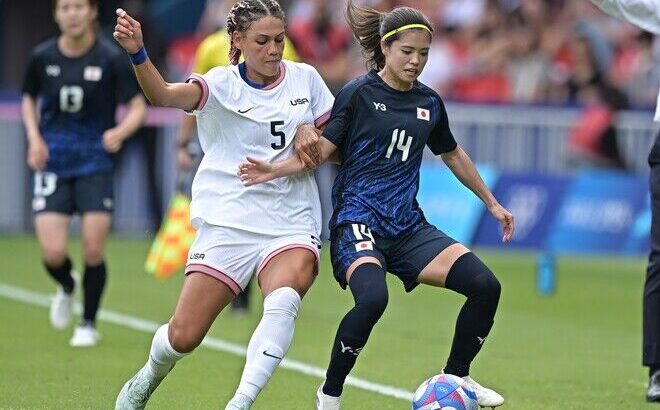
x=243 y=14
x=369 y=26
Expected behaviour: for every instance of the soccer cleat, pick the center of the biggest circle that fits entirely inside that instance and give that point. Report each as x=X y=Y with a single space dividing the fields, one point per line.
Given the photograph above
x=325 y=402
x=62 y=304
x=239 y=402
x=485 y=396
x=84 y=335
x=136 y=392
x=653 y=392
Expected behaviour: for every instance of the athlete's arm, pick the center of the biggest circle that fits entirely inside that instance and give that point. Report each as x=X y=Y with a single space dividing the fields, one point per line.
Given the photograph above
x=255 y=171
x=308 y=146
x=186 y=132
x=186 y=96
x=642 y=13
x=113 y=138
x=37 y=155
x=461 y=165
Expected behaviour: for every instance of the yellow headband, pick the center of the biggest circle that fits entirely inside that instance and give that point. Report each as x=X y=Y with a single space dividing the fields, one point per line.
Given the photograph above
x=406 y=27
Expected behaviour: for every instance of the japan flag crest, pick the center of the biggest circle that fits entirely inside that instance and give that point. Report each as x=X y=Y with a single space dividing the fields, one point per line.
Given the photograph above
x=423 y=114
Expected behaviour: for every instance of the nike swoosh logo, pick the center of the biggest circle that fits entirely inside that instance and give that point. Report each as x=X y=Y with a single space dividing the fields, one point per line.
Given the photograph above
x=271 y=355
x=244 y=111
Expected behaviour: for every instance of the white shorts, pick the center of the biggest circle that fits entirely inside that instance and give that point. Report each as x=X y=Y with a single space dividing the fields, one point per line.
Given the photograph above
x=233 y=255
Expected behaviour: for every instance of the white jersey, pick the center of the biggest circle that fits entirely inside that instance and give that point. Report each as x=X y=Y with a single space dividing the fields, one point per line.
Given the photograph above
x=236 y=120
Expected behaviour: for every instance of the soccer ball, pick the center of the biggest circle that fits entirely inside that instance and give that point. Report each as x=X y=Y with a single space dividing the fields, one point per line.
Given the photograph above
x=444 y=392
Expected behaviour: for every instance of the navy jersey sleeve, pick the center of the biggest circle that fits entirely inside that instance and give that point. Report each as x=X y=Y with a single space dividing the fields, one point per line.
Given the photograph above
x=127 y=86
x=340 y=116
x=31 y=80
x=441 y=139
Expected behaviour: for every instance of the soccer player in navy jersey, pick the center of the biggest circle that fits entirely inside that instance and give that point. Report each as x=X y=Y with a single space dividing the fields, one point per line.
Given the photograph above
x=79 y=79
x=380 y=124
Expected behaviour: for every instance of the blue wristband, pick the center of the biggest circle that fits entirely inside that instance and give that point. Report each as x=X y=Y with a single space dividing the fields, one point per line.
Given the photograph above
x=139 y=57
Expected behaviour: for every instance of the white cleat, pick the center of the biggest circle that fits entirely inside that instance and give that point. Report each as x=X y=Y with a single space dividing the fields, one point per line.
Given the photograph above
x=485 y=396
x=239 y=402
x=84 y=335
x=325 y=402
x=136 y=392
x=62 y=304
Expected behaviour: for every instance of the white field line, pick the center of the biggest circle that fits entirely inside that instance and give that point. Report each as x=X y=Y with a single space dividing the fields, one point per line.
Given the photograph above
x=133 y=322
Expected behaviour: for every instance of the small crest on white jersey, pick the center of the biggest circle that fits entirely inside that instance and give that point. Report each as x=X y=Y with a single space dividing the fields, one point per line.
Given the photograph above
x=423 y=114
x=93 y=73
x=52 y=70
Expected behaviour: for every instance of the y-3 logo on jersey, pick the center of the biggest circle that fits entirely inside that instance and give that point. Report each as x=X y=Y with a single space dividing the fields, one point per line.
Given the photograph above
x=380 y=106
x=299 y=101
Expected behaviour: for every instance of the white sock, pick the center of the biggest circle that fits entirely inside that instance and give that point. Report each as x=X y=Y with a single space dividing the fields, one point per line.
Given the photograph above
x=270 y=340
x=162 y=355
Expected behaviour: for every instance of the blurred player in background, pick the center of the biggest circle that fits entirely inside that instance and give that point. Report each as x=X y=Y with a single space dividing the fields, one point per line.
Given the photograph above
x=380 y=124
x=80 y=79
x=272 y=231
x=646 y=15
x=212 y=52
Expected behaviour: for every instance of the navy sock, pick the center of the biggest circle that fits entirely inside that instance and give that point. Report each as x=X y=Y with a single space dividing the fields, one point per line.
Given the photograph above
x=62 y=274
x=470 y=277
x=93 y=283
x=367 y=283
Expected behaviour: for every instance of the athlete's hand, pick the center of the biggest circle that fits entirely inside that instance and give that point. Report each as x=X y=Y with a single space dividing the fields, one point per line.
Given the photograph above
x=505 y=218
x=255 y=171
x=112 y=140
x=128 y=32
x=305 y=143
x=37 y=155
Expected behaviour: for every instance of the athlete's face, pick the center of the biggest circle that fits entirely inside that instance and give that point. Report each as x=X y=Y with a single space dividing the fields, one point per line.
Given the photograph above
x=262 y=46
x=406 y=57
x=74 y=17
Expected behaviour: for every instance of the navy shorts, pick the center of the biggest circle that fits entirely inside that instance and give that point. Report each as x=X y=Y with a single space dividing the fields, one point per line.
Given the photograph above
x=89 y=193
x=404 y=257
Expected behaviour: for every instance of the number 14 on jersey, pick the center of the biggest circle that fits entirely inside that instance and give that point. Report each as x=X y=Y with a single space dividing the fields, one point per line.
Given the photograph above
x=401 y=143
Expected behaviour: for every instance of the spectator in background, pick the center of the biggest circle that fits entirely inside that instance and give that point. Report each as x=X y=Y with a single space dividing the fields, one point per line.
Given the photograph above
x=212 y=52
x=323 y=42
x=646 y=15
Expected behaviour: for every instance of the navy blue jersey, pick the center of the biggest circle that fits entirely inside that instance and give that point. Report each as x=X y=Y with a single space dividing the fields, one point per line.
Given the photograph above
x=381 y=133
x=79 y=97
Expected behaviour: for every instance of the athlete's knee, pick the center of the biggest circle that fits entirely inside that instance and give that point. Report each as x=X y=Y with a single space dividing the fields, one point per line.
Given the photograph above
x=469 y=276
x=54 y=256
x=184 y=337
x=369 y=290
x=93 y=254
x=282 y=301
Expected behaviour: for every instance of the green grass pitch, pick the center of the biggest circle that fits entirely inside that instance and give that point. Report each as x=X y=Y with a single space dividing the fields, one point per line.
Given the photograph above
x=580 y=349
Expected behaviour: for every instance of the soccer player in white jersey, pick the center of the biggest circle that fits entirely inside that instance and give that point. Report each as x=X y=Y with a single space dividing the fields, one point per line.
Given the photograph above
x=272 y=230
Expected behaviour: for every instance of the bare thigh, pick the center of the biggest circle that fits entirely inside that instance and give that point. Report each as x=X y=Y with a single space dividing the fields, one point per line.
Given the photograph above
x=293 y=268
x=435 y=273
x=202 y=298
x=95 y=229
x=53 y=234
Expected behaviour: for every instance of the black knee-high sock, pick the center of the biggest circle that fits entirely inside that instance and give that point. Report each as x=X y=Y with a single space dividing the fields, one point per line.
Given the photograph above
x=470 y=277
x=367 y=283
x=62 y=274
x=93 y=283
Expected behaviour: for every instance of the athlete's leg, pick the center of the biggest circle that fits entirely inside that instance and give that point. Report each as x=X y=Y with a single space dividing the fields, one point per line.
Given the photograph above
x=202 y=298
x=284 y=278
x=458 y=269
x=366 y=280
x=52 y=232
x=95 y=228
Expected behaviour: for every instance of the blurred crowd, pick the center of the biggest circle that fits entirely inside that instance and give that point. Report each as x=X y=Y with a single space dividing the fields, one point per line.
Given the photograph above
x=557 y=52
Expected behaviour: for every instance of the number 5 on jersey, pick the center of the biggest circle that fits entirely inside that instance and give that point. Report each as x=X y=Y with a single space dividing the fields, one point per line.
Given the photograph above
x=401 y=143
x=280 y=134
